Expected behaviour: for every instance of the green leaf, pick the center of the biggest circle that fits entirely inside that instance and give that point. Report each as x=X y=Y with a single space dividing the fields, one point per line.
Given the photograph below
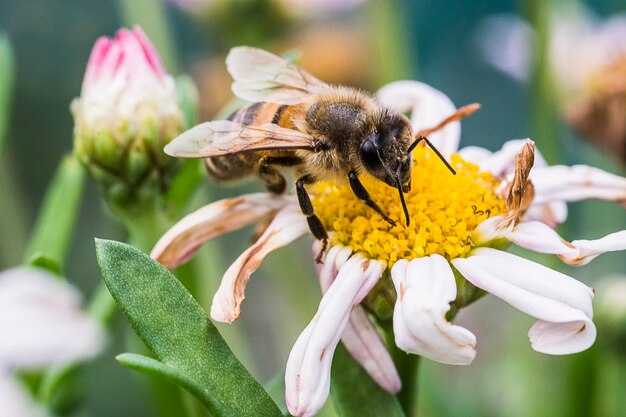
x=158 y=369
x=355 y=394
x=178 y=332
x=58 y=213
x=7 y=71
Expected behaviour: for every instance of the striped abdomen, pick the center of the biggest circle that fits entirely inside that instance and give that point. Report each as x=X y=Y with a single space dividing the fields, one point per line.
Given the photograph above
x=241 y=165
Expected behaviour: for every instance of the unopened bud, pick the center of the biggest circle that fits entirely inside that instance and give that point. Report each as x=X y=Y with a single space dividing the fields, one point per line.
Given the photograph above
x=127 y=112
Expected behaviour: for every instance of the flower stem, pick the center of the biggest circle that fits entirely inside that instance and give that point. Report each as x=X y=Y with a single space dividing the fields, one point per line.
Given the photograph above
x=392 y=57
x=543 y=103
x=14 y=214
x=408 y=367
x=59 y=212
x=581 y=382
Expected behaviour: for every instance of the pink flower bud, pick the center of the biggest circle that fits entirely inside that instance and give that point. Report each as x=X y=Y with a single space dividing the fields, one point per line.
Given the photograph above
x=127 y=112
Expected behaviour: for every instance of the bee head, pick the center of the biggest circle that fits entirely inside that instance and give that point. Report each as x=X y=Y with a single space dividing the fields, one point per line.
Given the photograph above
x=384 y=153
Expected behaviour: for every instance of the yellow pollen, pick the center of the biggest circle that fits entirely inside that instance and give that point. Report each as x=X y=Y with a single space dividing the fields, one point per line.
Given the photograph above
x=444 y=210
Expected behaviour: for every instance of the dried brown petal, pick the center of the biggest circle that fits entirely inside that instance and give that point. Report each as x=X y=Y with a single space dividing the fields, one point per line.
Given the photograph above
x=520 y=192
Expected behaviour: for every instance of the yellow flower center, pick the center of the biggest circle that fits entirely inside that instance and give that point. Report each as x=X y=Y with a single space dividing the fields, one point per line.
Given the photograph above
x=444 y=210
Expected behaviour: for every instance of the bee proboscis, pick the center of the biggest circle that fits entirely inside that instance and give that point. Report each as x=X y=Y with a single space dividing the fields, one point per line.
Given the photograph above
x=319 y=131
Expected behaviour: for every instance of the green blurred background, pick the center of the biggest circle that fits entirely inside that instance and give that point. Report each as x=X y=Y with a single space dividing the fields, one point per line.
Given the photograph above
x=382 y=41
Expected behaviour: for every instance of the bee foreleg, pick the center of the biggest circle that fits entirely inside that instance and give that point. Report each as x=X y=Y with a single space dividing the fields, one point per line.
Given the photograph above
x=315 y=224
x=361 y=193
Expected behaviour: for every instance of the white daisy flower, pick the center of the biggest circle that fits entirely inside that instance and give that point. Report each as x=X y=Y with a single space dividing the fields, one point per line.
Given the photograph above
x=460 y=227
x=41 y=324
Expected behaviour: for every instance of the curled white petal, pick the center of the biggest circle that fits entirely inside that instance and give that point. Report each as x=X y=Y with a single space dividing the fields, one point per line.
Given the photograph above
x=538 y=291
x=184 y=239
x=562 y=338
x=425 y=288
x=532 y=235
x=428 y=107
x=575 y=183
x=360 y=337
x=587 y=250
x=307 y=375
x=332 y=262
x=288 y=225
x=41 y=321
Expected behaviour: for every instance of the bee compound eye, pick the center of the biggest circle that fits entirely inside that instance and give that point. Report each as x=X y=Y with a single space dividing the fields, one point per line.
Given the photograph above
x=369 y=154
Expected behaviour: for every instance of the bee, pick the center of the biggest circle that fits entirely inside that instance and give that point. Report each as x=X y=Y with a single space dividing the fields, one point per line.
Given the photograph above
x=320 y=132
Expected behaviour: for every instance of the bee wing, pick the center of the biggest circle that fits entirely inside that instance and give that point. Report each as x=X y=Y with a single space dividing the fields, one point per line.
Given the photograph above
x=262 y=76
x=224 y=137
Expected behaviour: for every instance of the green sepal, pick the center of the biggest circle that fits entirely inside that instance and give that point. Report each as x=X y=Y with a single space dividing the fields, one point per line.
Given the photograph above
x=178 y=332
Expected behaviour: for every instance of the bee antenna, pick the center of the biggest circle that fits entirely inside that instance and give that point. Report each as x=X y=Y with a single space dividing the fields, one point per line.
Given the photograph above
x=425 y=139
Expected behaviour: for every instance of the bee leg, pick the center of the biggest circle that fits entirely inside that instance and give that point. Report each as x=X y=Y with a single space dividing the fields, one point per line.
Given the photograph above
x=361 y=193
x=272 y=179
x=315 y=224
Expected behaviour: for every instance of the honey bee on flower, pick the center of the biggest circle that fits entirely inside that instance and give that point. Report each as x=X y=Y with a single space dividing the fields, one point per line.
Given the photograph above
x=319 y=131
x=461 y=223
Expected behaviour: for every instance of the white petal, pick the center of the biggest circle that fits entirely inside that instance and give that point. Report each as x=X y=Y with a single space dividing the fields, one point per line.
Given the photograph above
x=41 y=322
x=502 y=162
x=562 y=338
x=307 y=375
x=288 y=225
x=552 y=214
x=425 y=288
x=332 y=262
x=184 y=239
x=532 y=235
x=497 y=227
x=360 y=337
x=534 y=289
x=539 y=237
x=587 y=250
x=15 y=402
x=428 y=107
x=475 y=154
x=575 y=183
